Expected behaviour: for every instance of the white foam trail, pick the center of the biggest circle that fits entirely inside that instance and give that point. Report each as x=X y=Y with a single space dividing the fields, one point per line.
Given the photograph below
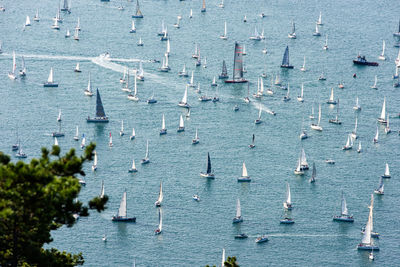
x=263 y=107
x=47 y=57
x=303 y=235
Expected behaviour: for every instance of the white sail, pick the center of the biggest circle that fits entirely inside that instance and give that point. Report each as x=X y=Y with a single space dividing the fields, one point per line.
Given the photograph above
x=320 y=18
x=192 y=79
x=181 y=123
x=303 y=158
x=55 y=141
x=383 y=49
x=387 y=172
x=77 y=68
x=345 y=211
x=376 y=134
x=368 y=228
x=133 y=28
x=163 y=123
x=14 y=63
x=383 y=112
x=261 y=86
x=133 y=132
x=349 y=142
x=102 y=189
x=50 y=79
x=225 y=30
x=122 y=126
x=59 y=115
x=288 y=194
x=196 y=136
x=223 y=258
x=259 y=112
x=160 y=221
x=238 y=209
x=160 y=194
x=95 y=159
x=244 y=170
x=168 y=47
x=331 y=97
x=147 y=150
x=359 y=146
x=122 y=207
x=77 y=131
x=302 y=90
x=355 y=126
x=319 y=114
x=89 y=87
x=184 y=98
x=83 y=141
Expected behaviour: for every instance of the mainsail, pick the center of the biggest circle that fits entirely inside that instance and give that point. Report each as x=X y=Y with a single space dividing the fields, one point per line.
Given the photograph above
x=238 y=209
x=237 y=65
x=99 y=106
x=122 y=207
x=138 y=13
x=285 y=60
x=208 y=163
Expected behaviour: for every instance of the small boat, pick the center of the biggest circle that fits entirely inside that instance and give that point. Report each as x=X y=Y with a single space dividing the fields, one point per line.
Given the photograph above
x=121 y=132
x=245 y=18
x=76 y=35
x=122 y=212
x=208 y=173
x=330 y=161
x=110 y=143
x=83 y=142
x=286 y=98
x=285 y=61
x=292 y=34
x=165 y=66
x=78 y=25
x=317 y=126
x=133 y=168
x=94 y=166
x=55 y=26
x=387 y=172
x=224 y=36
x=88 y=91
x=221 y=4
x=50 y=80
x=349 y=143
x=123 y=79
x=359 y=149
x=134 y=96
x=159 y=228
x=371 y=255
x=238 y=218
x=357 y=107
x=300 y=98
x=387 y=128
x=205 y=98
x=196 y=53
x=336 y=119
x=183 y=103
x=288 y=202
x=299 y=170
x=376 y=138
x=303 y=134
x=181 y=127
x=36 y=17
x=245 y=177
x=319 y=22
x=236 y=108
x=314 y=174
x=382 y=55
x=262 y=239
x=133 y=27
x=20 y=154
x=341 y=85
x=303 y=68
x=77 y=68
x=12 y=75
x=331 y=99
x=140 y=74
x=244 y=50
x=397 y=34
x=304 y=163
x=316 y=33
x=395 y=75
x=252 y=145
x=146 y=159
x=104 y=238
x=379 y=190
x=326 y=43
x=66 y=7
x=191 y=14
x=382 y=117
x=176 y=25
x=58 y=133
x=196 y=197
x=67 y=34
x=258 y=120
x=374 y=86
x=322 y=77
x=138 y=13
x=191 y=83
x=188 y=114
x=237 y=65
x=22 y=71
x=344 y=216
x=312 y=113
x=183 y=73
x=286 y=220
x=214 y=82
x=165 y=36
x=152 y=100
x=241 y=236
x=256 y=36
x=367 y=242
x=203 y=7
x=195 y=140
x=160 y=196
x=360 y=60
x=163 y=129
x=354 y=132
x=133 y=134
x=140 y=43
x=76 y=136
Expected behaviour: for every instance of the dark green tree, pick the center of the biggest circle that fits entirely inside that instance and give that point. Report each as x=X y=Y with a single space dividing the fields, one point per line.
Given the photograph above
x=230 y=262
x=36 y=198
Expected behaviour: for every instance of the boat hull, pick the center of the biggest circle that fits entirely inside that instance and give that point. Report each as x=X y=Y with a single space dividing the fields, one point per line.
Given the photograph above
x=98 y=119
x=50 y=85
x=237 y=220
x=261 y=239
x=287 y=221
x=362 y=246
x=343 y=219
x=120 y=219
x=56 y=134
x=241 y=236
x=244 y=179
x=287 y=67
x=356 y=62
x=236 y=81
x=207 y=175
x=145 y=161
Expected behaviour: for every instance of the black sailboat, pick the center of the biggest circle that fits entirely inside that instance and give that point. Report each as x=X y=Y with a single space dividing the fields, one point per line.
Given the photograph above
x=138 y=14
x=285 y=60
x=100 y=114
x=209 y=173
x=397 y=34
x=237 y=66
x=224 y=73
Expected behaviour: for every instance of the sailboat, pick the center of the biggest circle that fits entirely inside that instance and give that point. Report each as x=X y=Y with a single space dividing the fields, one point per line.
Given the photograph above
x=88 y=91
x=133 y=134
x=303 y=133
x=397 y=34
x=331 y=99
x=22 y=71
x=359 y=149
x=379 y=190
x=165 y=67
x=367 y=242
x=77 y=68
x=100 y=114
x=65 y=6
x=121 y=132
x=203 y=7
x=221 y=5
x=245 y=177
x=36 y=17
x=183 y=103
x=55 y=26
x=140 y=74
x=382 y=117
x=133 y=168
x=224 y=72
x=196 y=51
x=183 y=73
x=12 y=75
x=59 y=133
x=181 y=127
x=374 y=86
x=191 y=83
x=238 y=218
x=317 y=126
x=244 y=50
x=83 y=142
x=382 y=55
x=163 y=129
x=319 y=22
x=349 y=143
x=387 y=128
x=252 y=145
x=195 y=140
x=146 y=159
x=298 y=170
x=140 y=43
x=387 y=172
x=225 y=35
x=237 y=66
x=354 y=135
x=285 y=61
x=214 y=82
x=287 y=96
x=303 y=68
x=304 y=163
x=50 y=80
x=256 y=36
x=326 y=43
x=357 y=107
x=395 y=75
x=160 y=196
x=269 y=90
x=94 y=166
x=122 y=212
x=258 y=120
x=300 y=98
x=208 y=173
x=134 y=97
x=110 y=143
x=152 y=100
x=27 y=21
x=205 y=62
x=78 y=25
x=20 y=154
x=133 y=27
x=76 y=35
x=316 y=33
x=159 y=228
x=59 y=115
x=176 y=25
x=191 y=14
x=138 y=14
x=314 y=174
x=125 y=88
x=344 y=216
x=376 y=138
x=292 y=35
x=102 y=193
x=288 y=202
x=123 y=79
x=336 y=119
x=76 y=136
x=55 y=141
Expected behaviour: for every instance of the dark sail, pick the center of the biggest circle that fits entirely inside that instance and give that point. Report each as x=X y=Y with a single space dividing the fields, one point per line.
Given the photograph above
x=224 y=73
x=237 y=65
x=208 y=163
x=138 y=13
x=285 y=60
x=99 y=106
x=314 y=171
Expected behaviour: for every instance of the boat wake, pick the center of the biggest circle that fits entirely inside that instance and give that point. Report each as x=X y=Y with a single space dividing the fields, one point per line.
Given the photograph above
x=303 y=235
x=263 y=107
x=50 y=57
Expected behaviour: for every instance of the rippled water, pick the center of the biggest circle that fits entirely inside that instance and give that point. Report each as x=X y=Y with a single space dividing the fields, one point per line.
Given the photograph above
x=195 y=233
